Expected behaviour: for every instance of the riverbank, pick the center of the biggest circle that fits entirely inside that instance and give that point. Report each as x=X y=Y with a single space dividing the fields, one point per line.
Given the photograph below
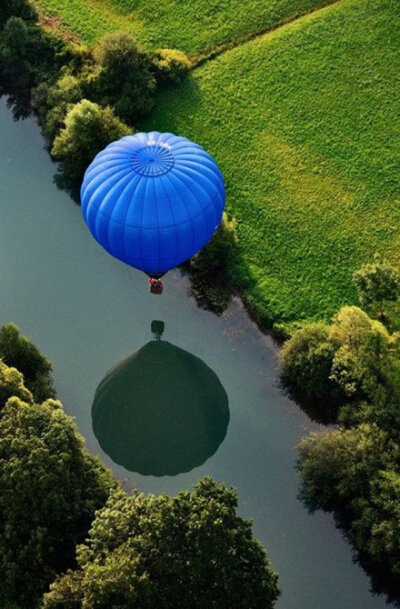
x=86 y=311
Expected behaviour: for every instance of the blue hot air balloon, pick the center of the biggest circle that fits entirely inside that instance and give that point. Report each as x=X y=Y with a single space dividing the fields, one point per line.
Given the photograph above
x=153 y=200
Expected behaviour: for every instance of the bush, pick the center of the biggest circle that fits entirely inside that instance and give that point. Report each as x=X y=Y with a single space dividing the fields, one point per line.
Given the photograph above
x=18 y=351
x=88 y=129
x=50 y=488
x=170 y=66
x=123 y=77
x=191 y=550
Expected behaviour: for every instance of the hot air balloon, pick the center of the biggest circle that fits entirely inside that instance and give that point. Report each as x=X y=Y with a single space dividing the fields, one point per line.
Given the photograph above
x=153 y=200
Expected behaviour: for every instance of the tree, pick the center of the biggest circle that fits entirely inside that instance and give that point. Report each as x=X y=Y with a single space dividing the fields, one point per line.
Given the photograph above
x=355 y=474
x=306 y=361
x=376 y=284
x=17 y=8
x=52 y=101
x=17 y=75
x=88 y=129
x=50 y=488
x=191 y=550
x=12 y=384
x=18 y=351
x=28 y=55
x=324 y=367
x=363 y=348
x=123 y=78
x=336 y=466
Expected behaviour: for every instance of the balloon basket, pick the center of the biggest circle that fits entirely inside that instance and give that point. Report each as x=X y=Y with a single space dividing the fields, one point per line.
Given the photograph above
x=156 y=286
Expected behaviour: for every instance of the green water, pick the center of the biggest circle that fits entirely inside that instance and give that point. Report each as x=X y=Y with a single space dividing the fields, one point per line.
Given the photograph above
x=87 y=312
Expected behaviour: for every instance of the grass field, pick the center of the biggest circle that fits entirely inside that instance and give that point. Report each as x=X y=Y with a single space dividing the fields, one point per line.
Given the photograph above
x=305 y=124
x=193 y=26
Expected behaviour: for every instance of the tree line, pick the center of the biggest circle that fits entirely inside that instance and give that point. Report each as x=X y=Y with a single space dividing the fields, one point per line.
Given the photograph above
x=347 y=373
x=84 y=97
x=72 y=538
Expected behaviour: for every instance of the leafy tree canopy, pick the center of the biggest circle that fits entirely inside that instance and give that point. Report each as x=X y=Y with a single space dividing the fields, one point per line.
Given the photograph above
x=355 y=473
x=88 y=129
x=18 y=351
x=12 y=384
x=326 y=366
x=191 y=550
x=50 y=488
x=123 y=78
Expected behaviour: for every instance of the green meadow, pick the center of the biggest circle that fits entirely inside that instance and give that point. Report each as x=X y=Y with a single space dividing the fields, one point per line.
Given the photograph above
x=193 y=26
x=305 y=124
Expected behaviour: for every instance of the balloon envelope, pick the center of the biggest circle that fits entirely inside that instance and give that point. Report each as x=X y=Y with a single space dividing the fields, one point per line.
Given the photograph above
x=161 y=411
x=153 y=200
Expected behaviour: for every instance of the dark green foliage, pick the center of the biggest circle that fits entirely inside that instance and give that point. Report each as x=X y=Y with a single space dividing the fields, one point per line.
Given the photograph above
x=191 y=550
x=12 y=384
x=123 y=77
x=324 y=367
x=376 y=284
x=209 y=269
x=88 y=129
x=50 y=488
x=170 y=66
x=355 y=473
x=17 y=8
x=17 y=74
x=18 y=351
x=53 y=101
x=306 y=363
x=28 y=55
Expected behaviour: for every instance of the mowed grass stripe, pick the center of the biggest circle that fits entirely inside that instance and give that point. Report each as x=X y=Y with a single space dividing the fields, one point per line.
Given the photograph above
x=305 y=124
x=194 y=26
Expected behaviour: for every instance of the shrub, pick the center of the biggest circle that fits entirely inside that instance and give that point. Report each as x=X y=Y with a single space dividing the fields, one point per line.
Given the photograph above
x=88 y=129
x=170 y=66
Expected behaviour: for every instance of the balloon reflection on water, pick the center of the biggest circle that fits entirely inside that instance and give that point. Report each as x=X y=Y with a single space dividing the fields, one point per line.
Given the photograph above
x=160 y=411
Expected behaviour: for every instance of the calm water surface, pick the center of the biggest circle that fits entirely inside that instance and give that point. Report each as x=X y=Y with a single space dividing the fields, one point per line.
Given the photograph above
x=87 y=311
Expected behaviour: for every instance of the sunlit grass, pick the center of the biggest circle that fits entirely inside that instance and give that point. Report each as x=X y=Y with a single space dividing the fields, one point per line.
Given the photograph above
x=305 y=124
x=194 y=26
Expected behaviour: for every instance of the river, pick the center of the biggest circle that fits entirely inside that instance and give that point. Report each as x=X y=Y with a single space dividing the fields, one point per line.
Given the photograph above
x=86 y=311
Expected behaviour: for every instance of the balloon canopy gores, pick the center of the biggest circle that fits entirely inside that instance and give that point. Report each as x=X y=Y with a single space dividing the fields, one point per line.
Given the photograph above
x=153 y=200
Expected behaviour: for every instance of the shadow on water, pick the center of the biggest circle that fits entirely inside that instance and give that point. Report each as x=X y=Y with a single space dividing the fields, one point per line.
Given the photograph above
x=161 y=411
